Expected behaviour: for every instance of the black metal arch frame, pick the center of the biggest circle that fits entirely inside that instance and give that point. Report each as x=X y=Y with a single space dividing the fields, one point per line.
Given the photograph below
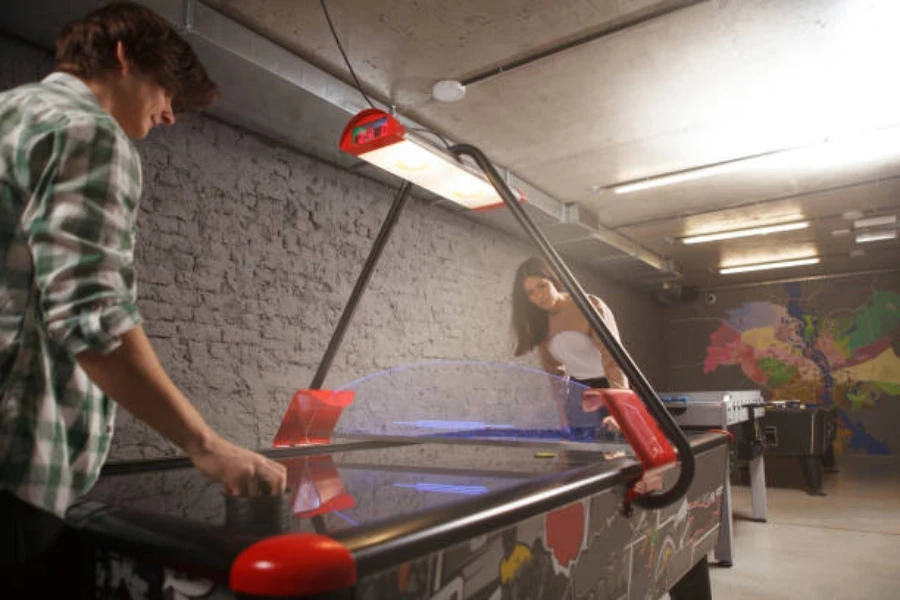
x=624 y=360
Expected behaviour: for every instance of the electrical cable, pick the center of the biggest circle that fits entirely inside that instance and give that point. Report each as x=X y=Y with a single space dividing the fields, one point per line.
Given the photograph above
x=359 y=85
x=434 y=133
x=344 y=54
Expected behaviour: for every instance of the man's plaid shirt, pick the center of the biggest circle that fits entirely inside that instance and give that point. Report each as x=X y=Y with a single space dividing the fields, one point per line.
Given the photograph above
x=70 y=181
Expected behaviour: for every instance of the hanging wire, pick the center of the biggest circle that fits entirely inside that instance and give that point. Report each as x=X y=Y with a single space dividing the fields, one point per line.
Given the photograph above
x=434 y=133
x=344 y=54
x=359 y=85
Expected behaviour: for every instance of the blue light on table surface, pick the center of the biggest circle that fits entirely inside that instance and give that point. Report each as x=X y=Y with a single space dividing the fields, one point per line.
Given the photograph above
x=346 y=518
x=466 y=425
x=444 y=488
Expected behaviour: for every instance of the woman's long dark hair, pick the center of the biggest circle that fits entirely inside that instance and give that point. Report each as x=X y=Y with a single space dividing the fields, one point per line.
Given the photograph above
x=530 y=323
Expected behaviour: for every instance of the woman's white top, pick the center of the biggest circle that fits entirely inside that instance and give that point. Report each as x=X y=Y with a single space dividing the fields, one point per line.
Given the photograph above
x=578 y=352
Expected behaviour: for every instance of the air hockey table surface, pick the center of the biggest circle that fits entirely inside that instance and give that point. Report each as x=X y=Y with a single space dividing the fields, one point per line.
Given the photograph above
x=455 y=510
x=416 y=520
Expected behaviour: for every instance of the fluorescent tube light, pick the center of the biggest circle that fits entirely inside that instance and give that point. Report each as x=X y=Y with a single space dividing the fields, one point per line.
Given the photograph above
x=825 y=153
x=377 y=137
x=875 y=222
x=739 y=233
x=435 y=172
x=772 y=265
x=876 y=236
x=653 y=182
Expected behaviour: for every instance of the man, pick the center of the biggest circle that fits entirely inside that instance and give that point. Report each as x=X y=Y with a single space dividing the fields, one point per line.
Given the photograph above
x=70 y=333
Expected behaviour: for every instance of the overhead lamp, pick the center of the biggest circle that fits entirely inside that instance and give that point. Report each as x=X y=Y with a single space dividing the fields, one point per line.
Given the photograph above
x=784 y=264
x=376 y=137
x=821 y=153
x=739 y=233
x=886 y=220
x=662 y=180
x=876 y=236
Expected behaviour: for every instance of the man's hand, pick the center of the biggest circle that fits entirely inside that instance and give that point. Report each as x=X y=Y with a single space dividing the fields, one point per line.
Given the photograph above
x=133 y=377
x=241 y=471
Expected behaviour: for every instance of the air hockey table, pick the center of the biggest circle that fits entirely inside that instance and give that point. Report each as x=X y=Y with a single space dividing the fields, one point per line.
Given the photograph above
x=433 y=508
x=433 y=504
x=431 y=519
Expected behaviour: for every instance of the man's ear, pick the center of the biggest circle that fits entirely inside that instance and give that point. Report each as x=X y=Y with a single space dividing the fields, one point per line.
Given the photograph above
x=124 y=63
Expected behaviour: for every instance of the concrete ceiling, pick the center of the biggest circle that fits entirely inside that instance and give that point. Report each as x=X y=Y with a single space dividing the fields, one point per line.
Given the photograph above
x=700 y=84
x=577 y=96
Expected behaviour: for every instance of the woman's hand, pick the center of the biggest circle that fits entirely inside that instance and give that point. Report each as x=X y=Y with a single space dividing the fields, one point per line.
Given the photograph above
x=592 y=400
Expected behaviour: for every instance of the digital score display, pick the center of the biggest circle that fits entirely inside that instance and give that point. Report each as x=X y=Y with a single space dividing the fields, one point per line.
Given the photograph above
x=369 y=132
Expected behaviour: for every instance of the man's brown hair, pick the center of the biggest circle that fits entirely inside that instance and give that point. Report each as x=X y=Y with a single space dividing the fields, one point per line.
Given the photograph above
x=87 y=48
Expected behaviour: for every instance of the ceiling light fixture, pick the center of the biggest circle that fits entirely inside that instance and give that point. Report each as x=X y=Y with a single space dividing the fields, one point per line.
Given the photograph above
x=784 y=264
x=875 y=221
x=653 y=182
x=876 y=236
x=822 y=153
x=739 y=233
x=375 y=136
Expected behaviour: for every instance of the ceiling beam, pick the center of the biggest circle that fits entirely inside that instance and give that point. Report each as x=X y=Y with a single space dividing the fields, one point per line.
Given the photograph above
x=628 y=21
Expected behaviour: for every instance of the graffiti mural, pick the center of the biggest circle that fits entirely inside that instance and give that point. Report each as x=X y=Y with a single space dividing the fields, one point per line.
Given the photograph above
x=804 y=347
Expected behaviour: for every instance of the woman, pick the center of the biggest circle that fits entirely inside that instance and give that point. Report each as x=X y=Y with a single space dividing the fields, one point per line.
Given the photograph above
x=546 y=317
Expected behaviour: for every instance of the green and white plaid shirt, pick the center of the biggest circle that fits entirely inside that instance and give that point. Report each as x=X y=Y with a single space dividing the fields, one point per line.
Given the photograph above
x=70 y=181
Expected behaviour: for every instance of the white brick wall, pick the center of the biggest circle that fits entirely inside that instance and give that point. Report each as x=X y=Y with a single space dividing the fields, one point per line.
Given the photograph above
x=247 y=252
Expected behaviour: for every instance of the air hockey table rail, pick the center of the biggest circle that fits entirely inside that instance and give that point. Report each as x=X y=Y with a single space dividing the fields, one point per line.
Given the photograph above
x=409 y=520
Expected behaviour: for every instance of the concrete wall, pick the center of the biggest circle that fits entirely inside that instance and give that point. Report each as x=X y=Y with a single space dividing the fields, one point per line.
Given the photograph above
x=247 y=252
x=826 y=341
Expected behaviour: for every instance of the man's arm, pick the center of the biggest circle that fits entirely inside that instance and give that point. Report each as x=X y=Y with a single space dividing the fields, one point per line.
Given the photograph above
x=79 y=221
x=133 y=376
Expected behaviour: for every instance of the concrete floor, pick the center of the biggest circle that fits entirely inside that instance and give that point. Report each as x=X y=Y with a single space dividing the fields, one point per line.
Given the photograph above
x=845 y=545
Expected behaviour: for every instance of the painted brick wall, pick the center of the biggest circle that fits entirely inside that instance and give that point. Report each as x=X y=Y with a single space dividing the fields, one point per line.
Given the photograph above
x=247 y=252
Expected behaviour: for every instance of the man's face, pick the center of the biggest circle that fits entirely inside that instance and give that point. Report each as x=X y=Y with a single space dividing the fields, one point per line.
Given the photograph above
x=141 y=104
x=137 y=100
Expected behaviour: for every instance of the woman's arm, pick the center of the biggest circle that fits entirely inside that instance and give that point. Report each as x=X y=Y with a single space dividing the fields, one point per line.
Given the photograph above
x=548 y=363
x=558 y=387
x=611 y=368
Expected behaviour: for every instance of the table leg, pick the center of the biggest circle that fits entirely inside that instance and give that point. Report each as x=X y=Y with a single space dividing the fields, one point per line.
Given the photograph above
x=695 y=584
x=725 y=545
x=758 y=488
x=829 y=461
x=812 y=472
